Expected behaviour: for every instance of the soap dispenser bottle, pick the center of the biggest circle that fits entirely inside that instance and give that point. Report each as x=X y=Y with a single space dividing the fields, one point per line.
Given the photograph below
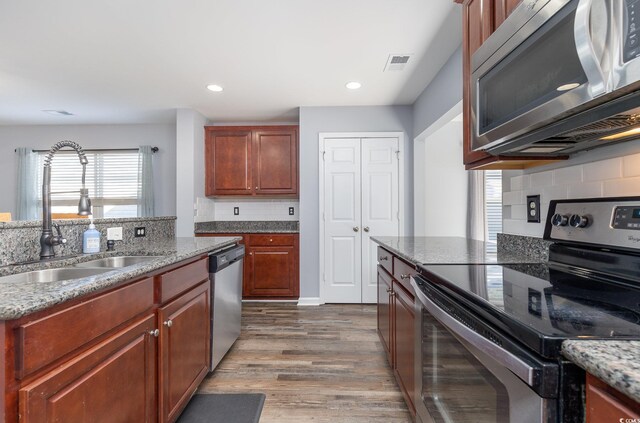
x=91 y=240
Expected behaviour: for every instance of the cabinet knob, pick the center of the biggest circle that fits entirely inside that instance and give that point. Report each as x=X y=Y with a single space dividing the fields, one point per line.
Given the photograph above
x=366 y=229
x=256 y=187
x=251 y=253
x=154 y=332
x=270 y=240
x=383 y=258
x=248 y=187
x=168 y=323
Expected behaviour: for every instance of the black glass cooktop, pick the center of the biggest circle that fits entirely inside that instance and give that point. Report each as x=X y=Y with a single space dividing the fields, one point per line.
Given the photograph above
x=541 y=305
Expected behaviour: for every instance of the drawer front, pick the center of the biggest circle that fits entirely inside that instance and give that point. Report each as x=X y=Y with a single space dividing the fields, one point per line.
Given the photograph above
x=402 y=271
x=182 y=279
x=271 y=240
x=43 y=341
x=385 y=259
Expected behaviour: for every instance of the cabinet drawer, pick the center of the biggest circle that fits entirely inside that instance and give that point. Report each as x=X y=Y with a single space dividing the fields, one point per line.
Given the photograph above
x=177 y=281
x=43 y=341
x=402 y=271
x=269 y=240
x=385 y=259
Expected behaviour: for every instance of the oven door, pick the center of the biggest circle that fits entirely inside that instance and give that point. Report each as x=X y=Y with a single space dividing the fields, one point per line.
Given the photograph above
x=462 y=377
x=527 y=76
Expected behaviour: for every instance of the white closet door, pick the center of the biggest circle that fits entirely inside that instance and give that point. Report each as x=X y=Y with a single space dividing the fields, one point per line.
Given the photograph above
x=380 y=204
x=342 y=215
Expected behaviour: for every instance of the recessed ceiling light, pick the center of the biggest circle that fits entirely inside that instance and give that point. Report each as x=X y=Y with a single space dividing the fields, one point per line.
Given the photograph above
x=215 y=88
x=58 y=112
x=353 y=85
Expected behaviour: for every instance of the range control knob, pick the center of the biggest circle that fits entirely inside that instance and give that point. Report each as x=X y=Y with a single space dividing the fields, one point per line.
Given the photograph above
x=559 y=220
x=578 y=221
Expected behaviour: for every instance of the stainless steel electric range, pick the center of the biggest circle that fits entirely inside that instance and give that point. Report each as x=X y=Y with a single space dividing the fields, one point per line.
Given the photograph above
x=491 y=335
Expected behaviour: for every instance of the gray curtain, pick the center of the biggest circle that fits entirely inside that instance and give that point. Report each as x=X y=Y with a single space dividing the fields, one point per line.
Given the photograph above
x=27 y=186
x=476 y=222
x=146 y=206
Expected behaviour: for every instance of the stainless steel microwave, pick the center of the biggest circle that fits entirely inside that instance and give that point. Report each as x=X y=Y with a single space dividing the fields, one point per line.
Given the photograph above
x=558 y=76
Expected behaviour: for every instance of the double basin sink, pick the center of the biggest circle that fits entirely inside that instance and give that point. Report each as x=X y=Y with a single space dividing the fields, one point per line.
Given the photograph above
x=77 y=271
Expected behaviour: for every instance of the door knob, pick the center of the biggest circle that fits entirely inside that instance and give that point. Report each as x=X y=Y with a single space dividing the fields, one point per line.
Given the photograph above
x=356 y=229
x=366 y=229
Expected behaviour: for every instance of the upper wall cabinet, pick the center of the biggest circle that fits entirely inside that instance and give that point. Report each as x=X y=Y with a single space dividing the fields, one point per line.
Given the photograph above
x=480 y=18
x=251 y=161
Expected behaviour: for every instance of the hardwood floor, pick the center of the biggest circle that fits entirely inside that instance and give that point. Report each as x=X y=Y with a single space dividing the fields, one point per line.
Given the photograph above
x=315 y=364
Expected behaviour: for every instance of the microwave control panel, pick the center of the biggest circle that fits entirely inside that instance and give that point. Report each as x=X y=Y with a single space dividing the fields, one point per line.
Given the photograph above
x=632 y=30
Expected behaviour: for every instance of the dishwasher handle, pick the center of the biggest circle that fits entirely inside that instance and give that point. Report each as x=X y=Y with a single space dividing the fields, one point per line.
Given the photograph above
x=221 y=259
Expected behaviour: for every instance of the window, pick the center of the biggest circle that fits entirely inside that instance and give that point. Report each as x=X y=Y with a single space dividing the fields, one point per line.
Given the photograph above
x=112 y=180
x=493 y=206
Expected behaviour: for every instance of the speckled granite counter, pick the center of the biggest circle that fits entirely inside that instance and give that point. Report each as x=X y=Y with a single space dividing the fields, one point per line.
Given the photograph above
x=246 y=227
x=19 y=299
x=615 y=362
x=451 y=250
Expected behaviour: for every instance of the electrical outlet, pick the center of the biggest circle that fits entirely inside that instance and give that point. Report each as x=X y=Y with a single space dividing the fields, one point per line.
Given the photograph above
x=114 y=234
x=236 y=211
x=533 y=208
x=291 y=211
x=140 y=232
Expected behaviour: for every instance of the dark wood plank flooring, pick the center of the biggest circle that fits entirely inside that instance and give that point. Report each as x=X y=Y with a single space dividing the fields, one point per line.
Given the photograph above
x=315 y=364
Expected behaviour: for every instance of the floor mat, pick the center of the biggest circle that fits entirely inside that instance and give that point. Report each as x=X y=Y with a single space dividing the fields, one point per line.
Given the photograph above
x=223 y=408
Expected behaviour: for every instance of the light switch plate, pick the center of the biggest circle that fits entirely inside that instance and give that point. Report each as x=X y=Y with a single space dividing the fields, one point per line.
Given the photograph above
x=114 y=233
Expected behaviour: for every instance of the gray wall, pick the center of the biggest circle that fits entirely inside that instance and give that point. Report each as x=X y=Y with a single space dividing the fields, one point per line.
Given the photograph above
x=442 y=93
x=314 y=120
x=41 y=137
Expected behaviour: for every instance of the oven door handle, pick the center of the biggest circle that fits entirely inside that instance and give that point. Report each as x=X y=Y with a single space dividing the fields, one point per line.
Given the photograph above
x=517 y=366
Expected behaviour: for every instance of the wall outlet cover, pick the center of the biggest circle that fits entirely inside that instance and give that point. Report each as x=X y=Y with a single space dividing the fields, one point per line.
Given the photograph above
x=140 y=231
x=236 y=211
x=533 y=208
x=114 y=234
x=291 y=211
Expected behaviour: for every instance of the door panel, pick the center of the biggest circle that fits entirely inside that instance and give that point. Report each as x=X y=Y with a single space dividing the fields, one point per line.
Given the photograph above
x=380 y=204
x=342 y=241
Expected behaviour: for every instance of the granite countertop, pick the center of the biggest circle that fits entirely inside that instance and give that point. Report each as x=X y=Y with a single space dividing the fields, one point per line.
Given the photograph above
x=256 y=227
x=19 y=299
x=451 y=250
x=615 y=362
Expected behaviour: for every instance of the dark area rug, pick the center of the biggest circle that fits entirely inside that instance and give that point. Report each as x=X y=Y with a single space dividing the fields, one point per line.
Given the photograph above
x=223 y=408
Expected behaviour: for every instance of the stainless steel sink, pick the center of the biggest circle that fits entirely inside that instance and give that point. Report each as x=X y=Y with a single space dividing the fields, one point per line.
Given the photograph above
x=51 y=275
x=116 y=262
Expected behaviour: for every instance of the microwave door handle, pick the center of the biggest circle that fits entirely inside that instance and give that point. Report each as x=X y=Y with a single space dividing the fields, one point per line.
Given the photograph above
x=597 y=83
x=518 y=367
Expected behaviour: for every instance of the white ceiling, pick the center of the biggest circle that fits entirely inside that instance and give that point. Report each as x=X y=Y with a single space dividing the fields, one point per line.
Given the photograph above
x=123 y=61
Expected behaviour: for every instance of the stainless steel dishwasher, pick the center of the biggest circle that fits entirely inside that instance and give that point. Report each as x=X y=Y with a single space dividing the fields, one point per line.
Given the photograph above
x=225 y=273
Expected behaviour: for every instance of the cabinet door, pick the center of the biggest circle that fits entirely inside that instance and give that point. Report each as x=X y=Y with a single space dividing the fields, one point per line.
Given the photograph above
x=404 y=342
x=605 y=404
x=275 y=161
x=385 y=313
x=272 y=271
x=502 y=10
x=228 y=162
x=113 y=382
x=184 y=349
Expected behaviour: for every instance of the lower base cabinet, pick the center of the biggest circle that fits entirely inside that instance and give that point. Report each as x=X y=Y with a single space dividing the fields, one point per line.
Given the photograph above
x=134 y=354
x=606 y=404
x=396 y=321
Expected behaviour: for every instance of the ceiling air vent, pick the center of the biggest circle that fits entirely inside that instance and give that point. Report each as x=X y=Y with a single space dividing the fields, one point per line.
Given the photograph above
x=397 y=62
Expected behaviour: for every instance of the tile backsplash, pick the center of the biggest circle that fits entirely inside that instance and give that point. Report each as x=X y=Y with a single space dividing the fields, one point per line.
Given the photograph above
x=614 y=177
x=249 y=209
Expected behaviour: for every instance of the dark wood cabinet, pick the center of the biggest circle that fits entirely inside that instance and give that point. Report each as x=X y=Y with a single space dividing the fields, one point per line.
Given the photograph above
x=135 y=353
x=115 y=381
x=184 y=349
x=606 y=404
x=396 y=320
x=271 y=265
x=251 y=161
x=480 y=18
x=385 y=312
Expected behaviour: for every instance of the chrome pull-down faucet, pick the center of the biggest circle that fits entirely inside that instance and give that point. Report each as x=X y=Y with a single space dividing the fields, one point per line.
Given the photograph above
x=47 y=239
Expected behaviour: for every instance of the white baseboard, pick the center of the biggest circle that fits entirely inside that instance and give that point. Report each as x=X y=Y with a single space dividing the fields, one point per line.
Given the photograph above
x=270 y=301
x=309 y=301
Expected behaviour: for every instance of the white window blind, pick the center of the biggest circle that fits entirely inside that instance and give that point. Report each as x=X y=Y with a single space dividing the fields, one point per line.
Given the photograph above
x=112 y=180
x=493 y=205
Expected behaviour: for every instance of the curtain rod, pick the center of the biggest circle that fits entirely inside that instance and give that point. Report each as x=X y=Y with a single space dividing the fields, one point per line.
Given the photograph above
x=90 y=150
